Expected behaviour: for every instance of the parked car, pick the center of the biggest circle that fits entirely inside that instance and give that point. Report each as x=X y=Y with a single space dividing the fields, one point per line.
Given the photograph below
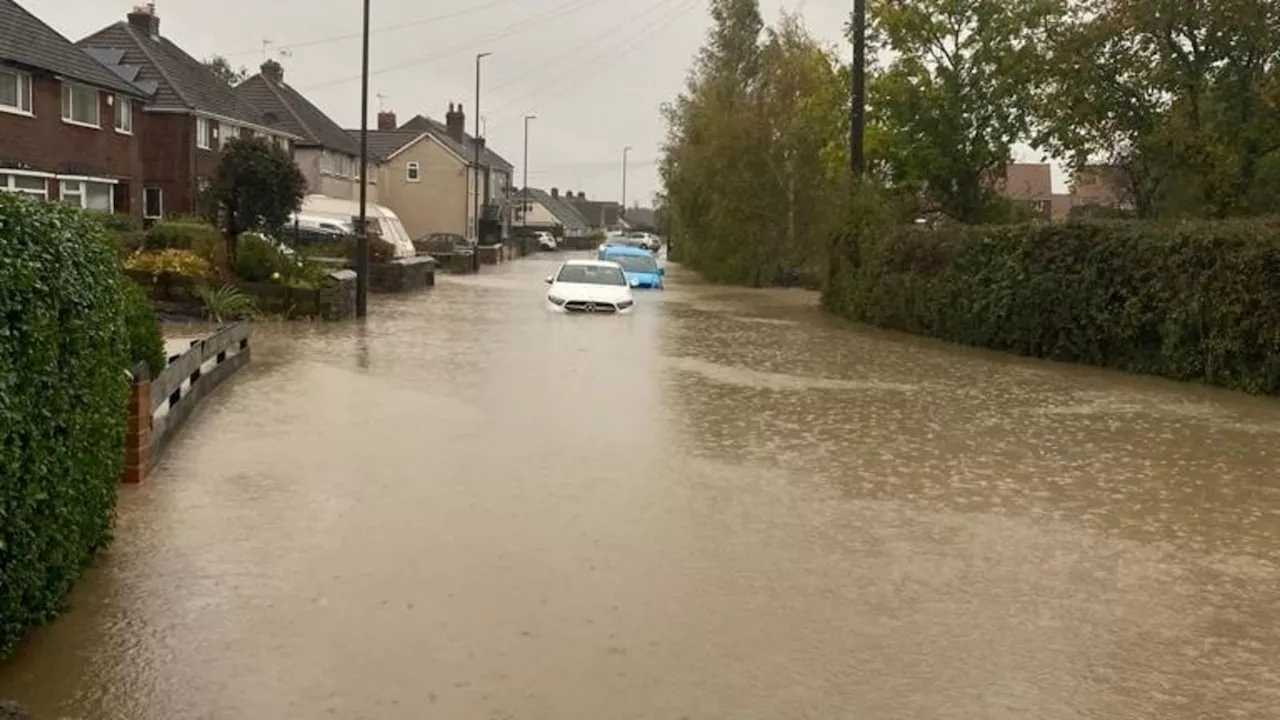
x=442 y=244
x=640 y=266
x=652 y=242
x=623 y=241
x=546 y=240
x=590 y=286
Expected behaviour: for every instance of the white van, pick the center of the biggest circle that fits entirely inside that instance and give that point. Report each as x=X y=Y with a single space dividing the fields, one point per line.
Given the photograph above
x=323 y=212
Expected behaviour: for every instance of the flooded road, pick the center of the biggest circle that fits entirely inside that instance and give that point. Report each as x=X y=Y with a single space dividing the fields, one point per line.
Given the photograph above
x=724 y=506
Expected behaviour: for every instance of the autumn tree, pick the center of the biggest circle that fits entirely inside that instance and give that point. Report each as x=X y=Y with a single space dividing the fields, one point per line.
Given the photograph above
x=258 y=187
x=1182 y=99
x=957 y=95
x=223 y=69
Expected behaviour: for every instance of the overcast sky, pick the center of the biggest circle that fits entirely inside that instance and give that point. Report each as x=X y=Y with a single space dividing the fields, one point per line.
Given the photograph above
x=594 y=71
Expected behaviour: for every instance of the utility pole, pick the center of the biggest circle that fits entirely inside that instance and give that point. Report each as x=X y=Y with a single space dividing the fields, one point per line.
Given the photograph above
x=623 y=213
x=475 y=145
x=524 y=202
x=858 y=90
x=362 y=232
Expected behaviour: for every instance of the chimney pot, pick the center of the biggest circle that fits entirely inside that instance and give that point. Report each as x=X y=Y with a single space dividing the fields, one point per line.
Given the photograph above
x=456 y=123
x=555 y=192
x=145 y=19
x=387 y=120
x=273 y=71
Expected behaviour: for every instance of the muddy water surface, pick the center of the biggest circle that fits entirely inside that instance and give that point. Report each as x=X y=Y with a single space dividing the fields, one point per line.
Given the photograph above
x=724 y=506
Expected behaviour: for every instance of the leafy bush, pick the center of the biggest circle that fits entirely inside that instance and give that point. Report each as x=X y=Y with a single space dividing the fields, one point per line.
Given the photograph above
x=202 y=239
x=146 y=344
x=115 y=222
x=64 y=398
x=259 y=260
x=1191 y=301
x=181 y=263
x=226 y=302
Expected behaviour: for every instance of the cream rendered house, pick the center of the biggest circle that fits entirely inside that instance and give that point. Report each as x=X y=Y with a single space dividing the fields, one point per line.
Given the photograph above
x=427 y=175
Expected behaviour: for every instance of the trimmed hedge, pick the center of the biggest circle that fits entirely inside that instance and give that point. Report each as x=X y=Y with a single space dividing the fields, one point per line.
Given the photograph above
x=1191 y=301
x=63 y=404
x=146 y=343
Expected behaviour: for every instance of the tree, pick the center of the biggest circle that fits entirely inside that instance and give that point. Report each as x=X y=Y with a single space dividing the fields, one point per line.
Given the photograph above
x=958 y=93
x=1181 y=98
x=222 y=68
x=258 y=187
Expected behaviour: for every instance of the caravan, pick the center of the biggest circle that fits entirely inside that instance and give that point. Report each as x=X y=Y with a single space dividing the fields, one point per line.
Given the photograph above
x=322 y=214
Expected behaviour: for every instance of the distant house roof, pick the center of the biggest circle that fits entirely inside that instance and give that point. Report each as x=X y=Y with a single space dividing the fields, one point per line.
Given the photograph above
x=598 y=213
x=1027 y=181
x=466 y=148
x=285 y=108
x=641 y=217
x=385 y=143
x=563 y=211
x=181 y=82
x=28 y=42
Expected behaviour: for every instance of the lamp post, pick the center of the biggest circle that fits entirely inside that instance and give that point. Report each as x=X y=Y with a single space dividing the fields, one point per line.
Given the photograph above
x=475 y=145
x=623 y=213
x=858 y=90
x=362 y=235
x=524 y=201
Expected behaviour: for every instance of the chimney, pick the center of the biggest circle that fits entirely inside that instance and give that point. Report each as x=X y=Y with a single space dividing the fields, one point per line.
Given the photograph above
x=555 y=192
x=386 y=120
x=144 y=18
x=582 y=195
x=456 y=122
x=273 y=71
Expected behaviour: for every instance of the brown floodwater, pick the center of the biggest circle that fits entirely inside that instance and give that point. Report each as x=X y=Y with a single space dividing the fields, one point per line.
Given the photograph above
x=727 y=505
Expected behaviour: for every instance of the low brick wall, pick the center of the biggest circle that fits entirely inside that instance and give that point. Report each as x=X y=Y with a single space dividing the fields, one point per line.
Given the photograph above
x=490 y=254
x=403 y=275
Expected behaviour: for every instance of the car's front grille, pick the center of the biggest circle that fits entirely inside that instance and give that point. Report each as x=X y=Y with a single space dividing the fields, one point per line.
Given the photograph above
x=582 y=306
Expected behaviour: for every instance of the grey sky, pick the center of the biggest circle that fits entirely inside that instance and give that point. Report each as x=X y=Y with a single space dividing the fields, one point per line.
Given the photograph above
x=594 y=71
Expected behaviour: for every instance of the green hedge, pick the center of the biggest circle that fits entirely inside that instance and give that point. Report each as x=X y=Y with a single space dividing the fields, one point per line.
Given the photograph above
x=1193 y=301
x=146 y=343
x=202 y=239
x=63 y=404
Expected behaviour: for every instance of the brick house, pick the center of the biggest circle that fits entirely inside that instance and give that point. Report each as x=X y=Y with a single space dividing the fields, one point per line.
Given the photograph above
x=1031 y=186
x=327 y=155
x=67 y=124
x=189 y=114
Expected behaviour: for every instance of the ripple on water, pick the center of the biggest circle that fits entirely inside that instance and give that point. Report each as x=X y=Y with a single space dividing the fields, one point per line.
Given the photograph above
x=744 y=377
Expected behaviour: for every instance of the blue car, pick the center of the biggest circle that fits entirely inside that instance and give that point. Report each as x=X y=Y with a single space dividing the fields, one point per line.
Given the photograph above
x=640 y=266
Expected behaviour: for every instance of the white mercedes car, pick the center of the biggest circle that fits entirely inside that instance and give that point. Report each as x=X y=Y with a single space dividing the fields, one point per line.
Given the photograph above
x=590 y=286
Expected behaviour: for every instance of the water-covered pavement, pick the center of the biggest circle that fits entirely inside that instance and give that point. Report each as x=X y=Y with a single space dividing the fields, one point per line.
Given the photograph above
x=724 y=506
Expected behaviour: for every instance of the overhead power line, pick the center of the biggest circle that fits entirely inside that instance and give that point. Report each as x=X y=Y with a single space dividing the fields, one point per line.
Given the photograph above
x=553 y=91
x=470 y=44
x=385 y=28
x=606 y=36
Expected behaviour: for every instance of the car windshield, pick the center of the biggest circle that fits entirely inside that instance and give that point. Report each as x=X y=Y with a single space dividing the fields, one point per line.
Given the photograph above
x=591 y=275
x=636 y=263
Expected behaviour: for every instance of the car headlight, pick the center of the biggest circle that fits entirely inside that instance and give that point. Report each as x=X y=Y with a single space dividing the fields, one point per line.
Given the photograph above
x=624 y=304
x=555 y=300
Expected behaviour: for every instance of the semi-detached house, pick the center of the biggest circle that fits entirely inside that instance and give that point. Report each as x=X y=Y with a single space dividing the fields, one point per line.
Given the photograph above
x=189 y=114
x=68 y=126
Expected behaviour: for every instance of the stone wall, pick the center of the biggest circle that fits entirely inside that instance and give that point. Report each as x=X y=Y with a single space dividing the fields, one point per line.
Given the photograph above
x=337 y=299
x=402 y=275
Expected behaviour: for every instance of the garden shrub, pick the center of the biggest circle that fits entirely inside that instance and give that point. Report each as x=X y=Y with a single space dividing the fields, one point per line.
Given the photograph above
x=146 y=343
x=200 y=238
x=1189 y=301
x=172 y=263
x=259 y=260
x=64 y=397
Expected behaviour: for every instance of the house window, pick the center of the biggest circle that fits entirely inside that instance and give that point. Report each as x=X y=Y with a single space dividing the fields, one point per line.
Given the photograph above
x=25 y=184
x=87 y=194
x=204 y=133
x=80 y=105
x=152 y=202
x=226 y=133
x=413 y=172
x=283 y=142
x=15 y=91
x=124 y=115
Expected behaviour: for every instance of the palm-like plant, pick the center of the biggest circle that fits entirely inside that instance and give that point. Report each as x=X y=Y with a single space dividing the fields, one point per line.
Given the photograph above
x=226 y=303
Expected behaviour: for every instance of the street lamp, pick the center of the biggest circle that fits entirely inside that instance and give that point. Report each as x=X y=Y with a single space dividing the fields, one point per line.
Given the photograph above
x=362 y=234
x=858 y=90
x=623 y=212
x=524 y=202
x=475 y=145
